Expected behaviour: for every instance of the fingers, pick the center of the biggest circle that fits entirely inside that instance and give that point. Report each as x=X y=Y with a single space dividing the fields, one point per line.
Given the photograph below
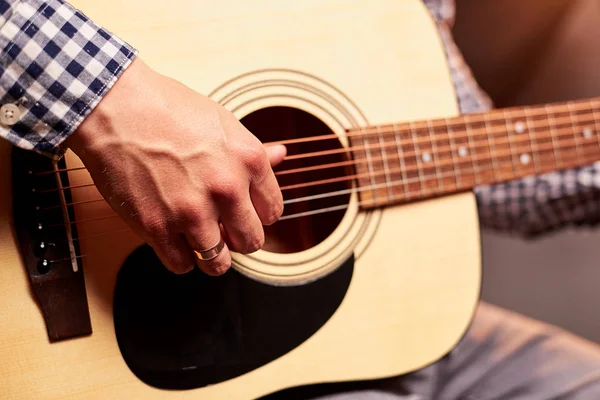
x=243 y=228
x=175 y=253
x=204 y=237
x=267 y=200
x=264 y=189
x=242 y=215
x=239 y=211
x=276 y=154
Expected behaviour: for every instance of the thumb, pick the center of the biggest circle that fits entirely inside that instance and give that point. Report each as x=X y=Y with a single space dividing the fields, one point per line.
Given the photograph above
x=276 y=154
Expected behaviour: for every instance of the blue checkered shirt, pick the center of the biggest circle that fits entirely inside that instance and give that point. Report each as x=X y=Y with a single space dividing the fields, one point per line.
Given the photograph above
x=56 y=65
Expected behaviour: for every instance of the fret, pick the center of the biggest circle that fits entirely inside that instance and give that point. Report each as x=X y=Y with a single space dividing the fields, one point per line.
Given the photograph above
x=520 y=145
x=423 y=158
x=511 y=145
x=445 y=155
x=412 y=171
x=497 y=135
x=404 y=179
x=377 y=173
x=574 y=120
x=586 y=134
x=436 y=157
x=392 y=163
x=480 y=156
x=558 y=159
x=442 y=154
x=474 y=155
x=545 y=147
x=385 y=163
x=466 y=163
x=493 y=152
x=532 y=140
x=369 y=164
x=565 y=135
x=455 y=156
x=364 y=168
x=596 y=122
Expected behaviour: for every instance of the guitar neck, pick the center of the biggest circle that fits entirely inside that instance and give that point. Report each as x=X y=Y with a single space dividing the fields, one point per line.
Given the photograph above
x=411 y=161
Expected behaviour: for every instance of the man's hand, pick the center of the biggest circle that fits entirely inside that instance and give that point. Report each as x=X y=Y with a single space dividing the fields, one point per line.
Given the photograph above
x=179 y=169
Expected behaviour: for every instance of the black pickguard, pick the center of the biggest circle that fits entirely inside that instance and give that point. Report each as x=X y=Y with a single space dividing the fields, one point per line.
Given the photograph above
x=192 y=330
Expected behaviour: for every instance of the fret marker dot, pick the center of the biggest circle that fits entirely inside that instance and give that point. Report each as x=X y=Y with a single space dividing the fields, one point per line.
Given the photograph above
x=587 y=133
x=525 y=159
x=462 y=151
x=426 y=157
x=520 y=127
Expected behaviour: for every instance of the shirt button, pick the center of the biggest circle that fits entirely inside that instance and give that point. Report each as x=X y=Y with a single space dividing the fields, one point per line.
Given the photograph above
x=9 y=114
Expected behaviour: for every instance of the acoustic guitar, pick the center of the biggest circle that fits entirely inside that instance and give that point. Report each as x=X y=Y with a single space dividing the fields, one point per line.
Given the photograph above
x=373 y=270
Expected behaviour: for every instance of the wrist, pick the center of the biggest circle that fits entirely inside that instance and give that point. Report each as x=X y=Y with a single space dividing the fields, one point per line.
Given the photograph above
x=98 y=126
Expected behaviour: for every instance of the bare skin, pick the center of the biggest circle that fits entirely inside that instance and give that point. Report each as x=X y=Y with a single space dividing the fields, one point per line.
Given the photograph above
x=179 y=169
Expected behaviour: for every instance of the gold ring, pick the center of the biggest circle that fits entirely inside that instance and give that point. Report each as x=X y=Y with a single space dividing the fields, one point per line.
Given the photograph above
x=212 y=252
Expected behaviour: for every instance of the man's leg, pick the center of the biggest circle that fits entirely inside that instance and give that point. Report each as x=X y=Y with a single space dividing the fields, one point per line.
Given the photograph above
x=506 y=355
x=503 y=356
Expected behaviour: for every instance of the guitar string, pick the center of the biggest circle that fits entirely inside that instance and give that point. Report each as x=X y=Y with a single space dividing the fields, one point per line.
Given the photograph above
x=563 y=135
x=444 y=162
x=356 y=161
x=343 y=206
x=67 y=259
x=456 y=134
x=446 y=149
x=79 y=221
x=334 y=194
x=469 y=134
x=405 y=194
x=531 y=111
x=68 y=204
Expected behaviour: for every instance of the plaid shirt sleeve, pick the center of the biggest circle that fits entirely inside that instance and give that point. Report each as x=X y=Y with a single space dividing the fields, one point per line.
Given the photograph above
x=532 y=206
x=55 y=66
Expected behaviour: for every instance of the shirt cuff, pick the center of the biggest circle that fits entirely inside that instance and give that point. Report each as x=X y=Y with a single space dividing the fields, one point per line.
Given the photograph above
x=55 y=67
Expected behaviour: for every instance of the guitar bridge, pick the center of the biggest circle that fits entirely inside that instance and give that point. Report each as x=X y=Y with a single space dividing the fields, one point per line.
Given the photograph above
x=48 y=243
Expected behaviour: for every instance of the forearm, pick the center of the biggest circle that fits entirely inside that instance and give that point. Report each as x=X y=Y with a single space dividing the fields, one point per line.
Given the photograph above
x=56 y=65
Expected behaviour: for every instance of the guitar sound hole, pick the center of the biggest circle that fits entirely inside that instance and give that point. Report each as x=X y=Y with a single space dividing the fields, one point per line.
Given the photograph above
x=303 y=232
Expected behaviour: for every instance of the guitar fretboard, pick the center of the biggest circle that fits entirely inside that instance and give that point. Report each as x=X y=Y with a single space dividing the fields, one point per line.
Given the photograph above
x=405 y=162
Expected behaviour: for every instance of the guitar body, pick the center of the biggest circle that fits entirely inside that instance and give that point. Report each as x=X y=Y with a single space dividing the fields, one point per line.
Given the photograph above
x=411 y=273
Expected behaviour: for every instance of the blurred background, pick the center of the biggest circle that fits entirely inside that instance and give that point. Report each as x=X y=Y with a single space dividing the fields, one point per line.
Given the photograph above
x=530 y=52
